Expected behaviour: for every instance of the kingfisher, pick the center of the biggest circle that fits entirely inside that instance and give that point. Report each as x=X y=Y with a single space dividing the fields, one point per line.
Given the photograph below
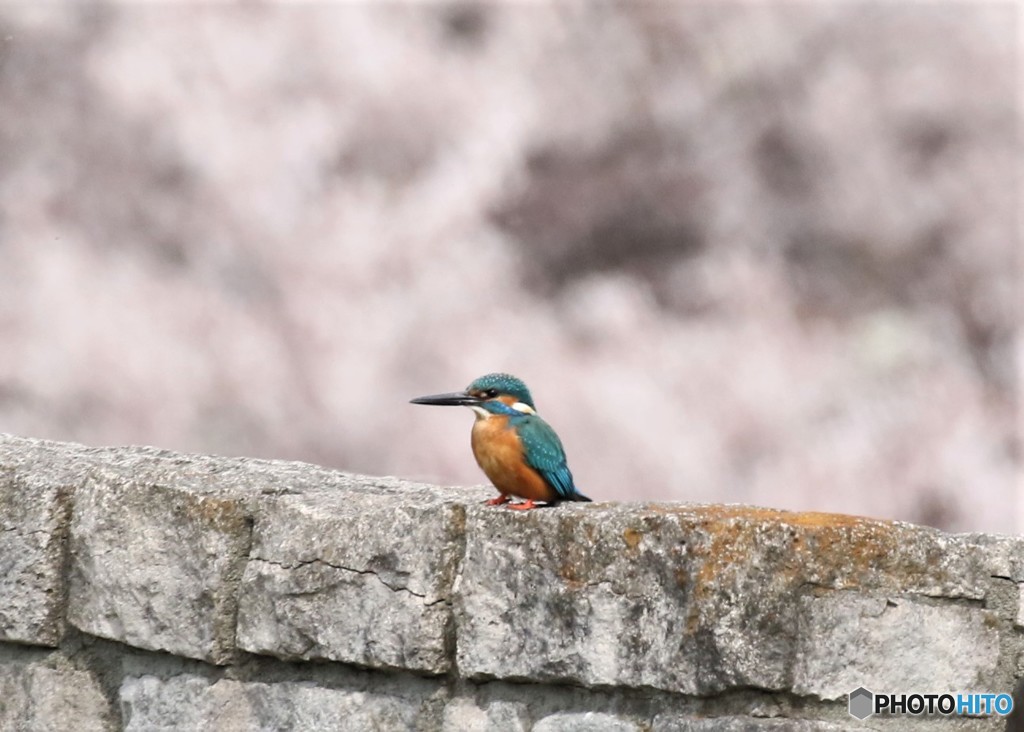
x=517 y=450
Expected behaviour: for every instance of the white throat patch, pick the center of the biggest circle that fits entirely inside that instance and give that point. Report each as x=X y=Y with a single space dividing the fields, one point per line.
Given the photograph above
x=481 y=413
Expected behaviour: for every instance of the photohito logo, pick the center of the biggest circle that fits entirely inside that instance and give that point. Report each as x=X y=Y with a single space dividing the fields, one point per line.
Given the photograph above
x=864 y=703
x=861 y=702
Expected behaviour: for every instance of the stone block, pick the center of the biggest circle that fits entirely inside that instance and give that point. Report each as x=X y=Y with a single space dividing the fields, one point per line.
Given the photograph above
x=465 y=714
x=36 y=483
x=188 y=702
x=359 y=577
x=156 y=565
x=39 y=692
x=690 y=599
x=848 y=640
x=585 y=722
x=678 y=723
x=1004 y=555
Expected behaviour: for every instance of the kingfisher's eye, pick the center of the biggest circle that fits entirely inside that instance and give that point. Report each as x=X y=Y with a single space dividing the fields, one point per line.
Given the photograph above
x=491 y=393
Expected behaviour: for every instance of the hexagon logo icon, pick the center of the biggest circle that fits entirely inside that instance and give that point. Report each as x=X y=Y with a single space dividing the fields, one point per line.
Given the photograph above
x=862 y=703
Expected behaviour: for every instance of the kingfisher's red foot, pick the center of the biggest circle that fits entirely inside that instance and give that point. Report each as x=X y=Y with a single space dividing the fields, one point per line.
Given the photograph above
x=524 y=506
x=497 y=501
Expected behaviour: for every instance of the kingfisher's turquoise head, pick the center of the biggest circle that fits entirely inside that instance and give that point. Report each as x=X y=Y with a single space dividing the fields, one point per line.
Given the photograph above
x=489 y=395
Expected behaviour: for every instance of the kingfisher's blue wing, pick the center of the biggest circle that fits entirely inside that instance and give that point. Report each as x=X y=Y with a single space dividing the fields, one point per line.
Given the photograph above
x=543 y=452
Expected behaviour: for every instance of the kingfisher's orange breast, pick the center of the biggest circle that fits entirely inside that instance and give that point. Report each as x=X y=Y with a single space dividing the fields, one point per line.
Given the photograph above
x=499 y=453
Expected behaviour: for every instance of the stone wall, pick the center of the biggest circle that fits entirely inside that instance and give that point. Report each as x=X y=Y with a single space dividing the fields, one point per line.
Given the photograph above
x=146 y=590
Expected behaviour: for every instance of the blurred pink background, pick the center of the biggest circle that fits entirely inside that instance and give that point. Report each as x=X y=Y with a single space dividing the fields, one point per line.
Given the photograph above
x=740 y=253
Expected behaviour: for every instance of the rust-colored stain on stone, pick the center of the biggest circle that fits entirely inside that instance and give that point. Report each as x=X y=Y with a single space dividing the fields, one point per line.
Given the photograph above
x=632 y=537
x=781 y=551
x=844 y=543
x=807 y=519
x=682 y=578
x=570 y=573
x=219 y=514
x=576 y=564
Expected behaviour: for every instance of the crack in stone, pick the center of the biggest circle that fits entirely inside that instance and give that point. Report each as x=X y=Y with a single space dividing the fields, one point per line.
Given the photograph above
x=18 y=529
x=353 y=570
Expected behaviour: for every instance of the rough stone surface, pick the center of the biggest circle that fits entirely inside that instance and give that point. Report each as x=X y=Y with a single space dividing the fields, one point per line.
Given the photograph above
x=360 y=577
x=35 y=494
x=463 y=715
x=585 y=722
x=466 y=715
x=847 y=640
x=1004 y=555
x=687 y=599
x=38 y=694
x=670 y=723
x=157 y=566
x=187 y=702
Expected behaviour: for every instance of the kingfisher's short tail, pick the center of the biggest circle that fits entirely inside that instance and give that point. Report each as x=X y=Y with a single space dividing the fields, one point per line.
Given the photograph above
x=577 y=496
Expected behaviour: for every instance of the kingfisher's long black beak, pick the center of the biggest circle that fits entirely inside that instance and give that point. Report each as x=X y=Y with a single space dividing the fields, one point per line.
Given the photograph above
x=455 y=399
